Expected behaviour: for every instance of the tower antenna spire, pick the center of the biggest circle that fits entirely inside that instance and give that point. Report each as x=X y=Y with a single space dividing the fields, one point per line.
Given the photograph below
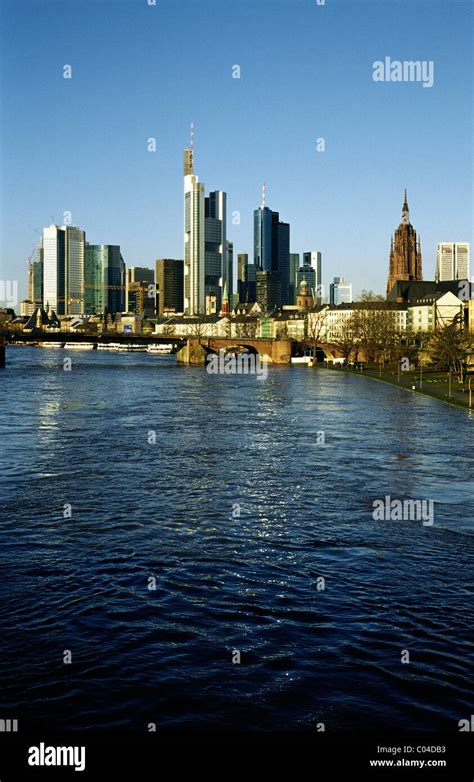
x=264 y=194
x=192 y=136
x=405 y=210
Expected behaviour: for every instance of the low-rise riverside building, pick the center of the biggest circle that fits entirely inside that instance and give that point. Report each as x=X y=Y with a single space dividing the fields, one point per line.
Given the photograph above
x=434 y=311
x=193 y=326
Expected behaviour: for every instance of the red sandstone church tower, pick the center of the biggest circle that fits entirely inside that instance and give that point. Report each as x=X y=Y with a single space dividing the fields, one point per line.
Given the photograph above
x=405 y=252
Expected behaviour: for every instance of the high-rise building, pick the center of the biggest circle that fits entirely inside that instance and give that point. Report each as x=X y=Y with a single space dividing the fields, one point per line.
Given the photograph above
x=251 y=284
x=35 y=279
x=104 y=273
x=313 y=260
x=246 y=280
x=140 y=293
x=307 y=274
x=452 y=261
x=63 y=269
x=340 y=291
x=228 y=277
x=268 y=294
x=138 y=274
x=54 y=287
x=216 y=257
x=283 y=259
x=95 y=292
x=272 y=247
x=242 y=263
x=194 y=239
x=169 y=285
x=405 y=252
x=54 y=269
x=75 y=240
x=294 y=266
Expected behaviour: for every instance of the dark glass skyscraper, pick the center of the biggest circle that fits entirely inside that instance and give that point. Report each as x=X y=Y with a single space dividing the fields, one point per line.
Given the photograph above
x=272 y=248
x=169 y=285
x=104 y=273
x=216 y=255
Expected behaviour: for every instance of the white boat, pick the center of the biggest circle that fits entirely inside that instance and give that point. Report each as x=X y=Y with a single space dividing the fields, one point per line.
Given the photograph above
x=135 y=348
x=160 y=349
x=109 y=346
x=79 y=346
x=50 y=344
x=300 y=359
x=306 y=358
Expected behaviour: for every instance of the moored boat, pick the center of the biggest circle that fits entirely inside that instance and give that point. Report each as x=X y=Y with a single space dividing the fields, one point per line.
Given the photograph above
x=79 y=345
x=160 y=350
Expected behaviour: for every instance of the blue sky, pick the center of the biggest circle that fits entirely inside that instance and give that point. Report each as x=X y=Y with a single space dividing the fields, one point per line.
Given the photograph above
x=140 y=71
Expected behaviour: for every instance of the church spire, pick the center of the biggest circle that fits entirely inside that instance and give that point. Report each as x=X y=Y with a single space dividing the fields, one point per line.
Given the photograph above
x=405 y=254
x=405 y=211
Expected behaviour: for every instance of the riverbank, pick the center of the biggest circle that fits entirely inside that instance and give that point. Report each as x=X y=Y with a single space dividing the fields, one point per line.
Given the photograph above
x=432 y=383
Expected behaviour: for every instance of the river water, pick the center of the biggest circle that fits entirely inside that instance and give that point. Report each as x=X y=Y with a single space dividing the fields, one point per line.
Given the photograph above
x=217 y=516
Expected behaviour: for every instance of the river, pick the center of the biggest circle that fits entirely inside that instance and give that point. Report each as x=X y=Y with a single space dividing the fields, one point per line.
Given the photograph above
x=159 y=522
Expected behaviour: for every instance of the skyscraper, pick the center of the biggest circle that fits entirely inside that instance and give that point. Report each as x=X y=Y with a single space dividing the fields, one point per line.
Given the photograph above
x=35 y=280
x=405 y=252
x=228 y=276
x=242 y=263
x=294 y=266
x=104 y=272
x=313 y=260
x=272 y=247
x=268 y=294
x=216 y=254
x=74 y=276
x=340 y=291
x=307 y=274
x=140 y=294
x=245 y=279
x=452 y=261
x=63 y=269
x=169 y=285
x=194 y=239
x=54 y=263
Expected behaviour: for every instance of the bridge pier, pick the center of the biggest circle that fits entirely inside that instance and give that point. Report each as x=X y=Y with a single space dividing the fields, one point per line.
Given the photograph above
x=274 y=351
x=192 y=352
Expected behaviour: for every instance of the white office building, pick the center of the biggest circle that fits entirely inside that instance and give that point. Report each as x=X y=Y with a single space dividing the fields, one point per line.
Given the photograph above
x=194 y=239
x=63 y=269
x=452 y=261
x=340 y=291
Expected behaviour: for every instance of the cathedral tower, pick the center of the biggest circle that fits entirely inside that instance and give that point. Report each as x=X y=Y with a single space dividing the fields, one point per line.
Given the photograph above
x=405 y=252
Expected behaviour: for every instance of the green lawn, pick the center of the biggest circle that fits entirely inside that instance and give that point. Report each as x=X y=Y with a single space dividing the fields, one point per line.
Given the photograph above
x=432 y=383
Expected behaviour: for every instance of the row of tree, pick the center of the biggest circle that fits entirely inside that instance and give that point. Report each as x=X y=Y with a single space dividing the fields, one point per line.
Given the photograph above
x=374 y=329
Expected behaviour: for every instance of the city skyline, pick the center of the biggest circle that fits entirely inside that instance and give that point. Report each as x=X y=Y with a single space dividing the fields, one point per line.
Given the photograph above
x=128 y=195
x=208 y=252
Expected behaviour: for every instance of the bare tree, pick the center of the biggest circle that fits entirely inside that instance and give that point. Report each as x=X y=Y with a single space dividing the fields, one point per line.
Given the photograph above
x=248 y=329
x=316 y=330
x=282 y=330
x=370 y=296
x=346 y=340
x=375 y=328
x=449 y=347
x=198 y=326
